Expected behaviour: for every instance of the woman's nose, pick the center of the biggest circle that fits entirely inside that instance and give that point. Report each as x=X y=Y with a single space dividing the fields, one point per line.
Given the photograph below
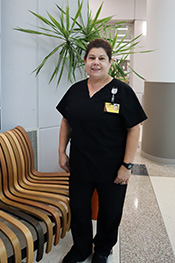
x=96 y=61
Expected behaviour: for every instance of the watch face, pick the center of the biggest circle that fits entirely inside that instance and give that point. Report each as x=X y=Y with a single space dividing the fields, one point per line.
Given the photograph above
x=130 y=166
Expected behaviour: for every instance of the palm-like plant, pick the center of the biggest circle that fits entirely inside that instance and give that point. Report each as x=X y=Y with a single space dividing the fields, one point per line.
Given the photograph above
x=73 y=35
x=121 y=51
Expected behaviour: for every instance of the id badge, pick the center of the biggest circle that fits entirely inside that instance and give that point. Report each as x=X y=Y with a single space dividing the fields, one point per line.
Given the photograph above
x=113 y=108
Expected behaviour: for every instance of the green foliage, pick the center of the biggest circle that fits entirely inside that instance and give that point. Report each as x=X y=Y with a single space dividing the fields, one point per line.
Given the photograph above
x=73 y=34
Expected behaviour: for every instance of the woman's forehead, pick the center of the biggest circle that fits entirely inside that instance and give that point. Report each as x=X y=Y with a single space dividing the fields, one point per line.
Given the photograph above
x=97 y=52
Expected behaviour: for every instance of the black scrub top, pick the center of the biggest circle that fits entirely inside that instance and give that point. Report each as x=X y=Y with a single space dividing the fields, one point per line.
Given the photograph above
x=98 y=137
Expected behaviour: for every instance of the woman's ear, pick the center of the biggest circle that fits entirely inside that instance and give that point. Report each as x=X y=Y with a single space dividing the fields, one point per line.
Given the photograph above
x=111 y=61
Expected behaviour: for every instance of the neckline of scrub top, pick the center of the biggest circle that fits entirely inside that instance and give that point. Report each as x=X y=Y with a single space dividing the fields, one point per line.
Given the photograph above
x=98 y=90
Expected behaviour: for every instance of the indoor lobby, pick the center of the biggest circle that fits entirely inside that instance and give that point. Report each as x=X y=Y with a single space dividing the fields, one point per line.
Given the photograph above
x=147 y=229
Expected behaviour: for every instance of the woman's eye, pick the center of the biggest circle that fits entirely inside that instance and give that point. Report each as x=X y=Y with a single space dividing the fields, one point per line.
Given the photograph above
x=93 y=58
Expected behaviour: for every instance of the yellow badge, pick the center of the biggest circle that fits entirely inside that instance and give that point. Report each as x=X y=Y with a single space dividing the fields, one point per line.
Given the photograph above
x=113 y=108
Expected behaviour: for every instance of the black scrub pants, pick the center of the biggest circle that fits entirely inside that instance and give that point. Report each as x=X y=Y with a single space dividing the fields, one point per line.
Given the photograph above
x=111 y=200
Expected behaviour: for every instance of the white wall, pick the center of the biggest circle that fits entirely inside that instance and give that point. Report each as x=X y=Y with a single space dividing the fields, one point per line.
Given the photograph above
x=129 y=10
x=140 y=9
x=19 y=88
x=121 y=10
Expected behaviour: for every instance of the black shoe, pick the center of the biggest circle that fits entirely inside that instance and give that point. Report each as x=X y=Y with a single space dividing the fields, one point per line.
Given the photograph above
x=99 y=258
x=73 y=256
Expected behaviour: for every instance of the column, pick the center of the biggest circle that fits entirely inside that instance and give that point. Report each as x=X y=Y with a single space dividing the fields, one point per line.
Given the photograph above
x=158 y=142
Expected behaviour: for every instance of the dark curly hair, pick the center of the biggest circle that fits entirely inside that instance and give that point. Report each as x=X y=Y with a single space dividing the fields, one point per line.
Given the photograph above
x=99 y=43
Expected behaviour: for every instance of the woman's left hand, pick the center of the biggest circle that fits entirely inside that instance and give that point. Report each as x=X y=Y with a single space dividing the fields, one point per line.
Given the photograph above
x=123 y=175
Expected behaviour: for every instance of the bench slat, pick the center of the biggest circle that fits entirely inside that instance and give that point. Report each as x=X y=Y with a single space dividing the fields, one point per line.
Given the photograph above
x=3 y=252
x=25 y=231
x=13 y=240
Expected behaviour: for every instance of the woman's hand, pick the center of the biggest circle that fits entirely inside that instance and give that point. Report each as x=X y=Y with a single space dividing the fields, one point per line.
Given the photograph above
x=123 y=175
x=65 y=133
x=130 y=150
x=64 y=162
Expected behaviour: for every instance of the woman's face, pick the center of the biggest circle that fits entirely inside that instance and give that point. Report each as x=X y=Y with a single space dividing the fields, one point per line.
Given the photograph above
x=97 y=63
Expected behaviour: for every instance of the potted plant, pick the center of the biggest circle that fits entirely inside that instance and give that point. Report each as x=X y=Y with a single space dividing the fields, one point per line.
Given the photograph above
x=73 y=35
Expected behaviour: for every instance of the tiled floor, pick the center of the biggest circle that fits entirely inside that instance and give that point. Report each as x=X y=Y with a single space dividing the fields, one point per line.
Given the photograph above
x=147 y=231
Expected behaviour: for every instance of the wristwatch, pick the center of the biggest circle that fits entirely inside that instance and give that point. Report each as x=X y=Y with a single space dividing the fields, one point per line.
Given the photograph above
x=129 y=166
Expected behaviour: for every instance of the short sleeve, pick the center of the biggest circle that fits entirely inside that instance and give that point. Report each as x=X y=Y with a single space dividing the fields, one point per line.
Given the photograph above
x=62 y=105
x=72 y=96
x=131 y=109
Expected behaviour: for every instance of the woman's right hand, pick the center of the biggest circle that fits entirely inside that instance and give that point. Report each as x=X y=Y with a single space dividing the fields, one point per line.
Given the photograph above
x=64 y=162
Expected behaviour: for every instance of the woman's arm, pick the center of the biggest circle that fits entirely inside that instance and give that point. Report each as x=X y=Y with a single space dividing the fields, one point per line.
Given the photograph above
x=130 y=151
x=65 y=133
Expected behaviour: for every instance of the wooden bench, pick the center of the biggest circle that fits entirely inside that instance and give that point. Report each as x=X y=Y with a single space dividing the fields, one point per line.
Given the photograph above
x=34 y=206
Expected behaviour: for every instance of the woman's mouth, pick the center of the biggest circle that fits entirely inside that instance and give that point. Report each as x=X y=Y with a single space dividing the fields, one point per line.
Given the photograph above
x=95 y=69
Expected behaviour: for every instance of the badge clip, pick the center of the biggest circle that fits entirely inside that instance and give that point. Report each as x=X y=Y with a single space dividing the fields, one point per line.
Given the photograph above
x=114 y=92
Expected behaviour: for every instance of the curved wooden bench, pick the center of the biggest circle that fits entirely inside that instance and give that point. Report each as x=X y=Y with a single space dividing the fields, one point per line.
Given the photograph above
x=38 y=175
x=16 y=190
x=30 y=210
x=58 y=189
x=59 y=178
x=23 y=178
x=7 y=177
x=30 y=195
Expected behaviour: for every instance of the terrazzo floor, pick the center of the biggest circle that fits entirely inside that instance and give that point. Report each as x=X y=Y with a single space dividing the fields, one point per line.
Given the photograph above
x=147 y=230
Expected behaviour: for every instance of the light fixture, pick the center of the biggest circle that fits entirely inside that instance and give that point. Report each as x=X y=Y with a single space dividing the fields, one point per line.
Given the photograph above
x=122 y=28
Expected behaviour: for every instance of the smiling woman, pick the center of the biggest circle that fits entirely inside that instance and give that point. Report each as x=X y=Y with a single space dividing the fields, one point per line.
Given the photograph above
x=101 y=116
x=97 y=61
x=97 y=64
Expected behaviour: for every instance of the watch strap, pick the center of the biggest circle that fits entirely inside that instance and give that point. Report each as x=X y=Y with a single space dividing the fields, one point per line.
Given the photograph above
x=129 y=166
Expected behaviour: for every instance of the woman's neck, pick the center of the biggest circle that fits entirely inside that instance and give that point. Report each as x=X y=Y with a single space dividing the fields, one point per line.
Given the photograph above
x=95 y=85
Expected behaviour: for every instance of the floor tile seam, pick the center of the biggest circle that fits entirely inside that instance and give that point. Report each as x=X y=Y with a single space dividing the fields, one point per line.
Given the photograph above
x=158 y=206
x=164 y=177
x=149 y=163
x=150 y=172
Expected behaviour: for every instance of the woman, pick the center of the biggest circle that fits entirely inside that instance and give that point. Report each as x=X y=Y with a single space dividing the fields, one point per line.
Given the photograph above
x=101 y=116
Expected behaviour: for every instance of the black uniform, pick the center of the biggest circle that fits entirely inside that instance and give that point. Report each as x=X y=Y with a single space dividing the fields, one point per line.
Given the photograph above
x=99 y=131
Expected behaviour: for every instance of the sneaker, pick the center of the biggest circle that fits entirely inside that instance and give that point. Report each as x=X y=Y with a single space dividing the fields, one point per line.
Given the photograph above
x=73 y=256
x=99 y=258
